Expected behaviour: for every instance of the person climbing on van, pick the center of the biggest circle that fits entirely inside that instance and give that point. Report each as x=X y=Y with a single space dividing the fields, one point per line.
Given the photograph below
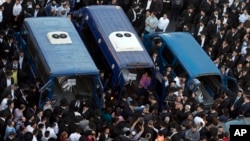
x=144 y=83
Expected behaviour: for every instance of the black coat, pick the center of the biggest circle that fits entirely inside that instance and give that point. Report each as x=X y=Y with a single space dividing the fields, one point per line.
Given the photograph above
x=199 y=18
x=188 y=17
x=224 y=104
x=7 y=91
x=103 y=137
x=73 y=107
x=3 y=82
x=9 y=50
x=176 y=137
x=2 y=129
x=237 y=104
x=131 y=15
x=245 y=109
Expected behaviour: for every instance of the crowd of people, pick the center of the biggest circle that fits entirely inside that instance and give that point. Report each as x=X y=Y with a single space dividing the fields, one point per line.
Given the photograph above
x=222 y=29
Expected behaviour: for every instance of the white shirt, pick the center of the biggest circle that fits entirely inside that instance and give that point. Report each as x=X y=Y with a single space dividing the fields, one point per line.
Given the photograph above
x=233 y=58
x=52 y=133
x=17 y=9
x=74 y=136
x=225 y=20
x=198 y=120
x=54 y=8
x=1 y=16
x=4 y=104
x=178 y=82
x=243 y=18
x=2 y=1
x=200 y=29
x=236 y=4
x=134 y=15
x=62 y=9
x=12 y=94
x=35 y=13
x=29 y=128
x=243 y=50
x=224 y=10
x=47 y=106
x=20 y=62
x=230 y=2
x=44 y=128
x=56 y=128
x=30 y=6
x=34 y=138
x=163 y=24
x=77 y=113
x=148 y=4
x=45 y=138
x=178 y=94
x=202 y=42
x=8 y=82
x=216 y=18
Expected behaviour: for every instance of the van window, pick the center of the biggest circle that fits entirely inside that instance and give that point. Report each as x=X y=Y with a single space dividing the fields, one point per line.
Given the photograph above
x=178 y=68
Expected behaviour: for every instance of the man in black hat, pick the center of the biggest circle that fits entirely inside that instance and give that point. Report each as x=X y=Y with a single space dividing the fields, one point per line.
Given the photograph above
x=232 y=35
x=9 y=47
x=14 y=67
x=175 y=133
x=10 y=90
x=157 y=45
x=76 y=103
x=7 y=80
x=172 y=87
x=2 y=36
x=210 y=51
x=73 y=126
x=221 y=32
x=189 y=14
x=132 y=14
x=225 y=96
x=23 y=99
x=62 y=109
x=236 y=103
x=10 y=109
x=199 y=28
x=203 y=40
x=4 y=61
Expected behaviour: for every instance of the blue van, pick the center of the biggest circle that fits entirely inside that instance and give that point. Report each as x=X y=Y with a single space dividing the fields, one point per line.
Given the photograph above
x=113 y=43
x=59 y=58
x=182 y=52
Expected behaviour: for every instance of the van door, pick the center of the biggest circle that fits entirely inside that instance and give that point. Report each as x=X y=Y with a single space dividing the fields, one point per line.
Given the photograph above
x=97 y=94
x=232 y=84
x=44 y=92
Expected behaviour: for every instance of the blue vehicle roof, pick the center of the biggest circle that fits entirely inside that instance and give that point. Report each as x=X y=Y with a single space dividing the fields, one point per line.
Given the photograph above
x=61 y=59
x=190 y=54
x=108 y=19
